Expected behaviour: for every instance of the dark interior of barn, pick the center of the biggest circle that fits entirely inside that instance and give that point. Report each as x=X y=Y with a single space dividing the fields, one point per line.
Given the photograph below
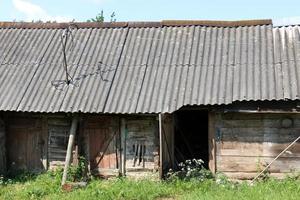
x=191 y=135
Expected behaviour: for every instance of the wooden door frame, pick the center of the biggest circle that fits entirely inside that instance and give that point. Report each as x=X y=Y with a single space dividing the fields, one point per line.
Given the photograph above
x=211 y=142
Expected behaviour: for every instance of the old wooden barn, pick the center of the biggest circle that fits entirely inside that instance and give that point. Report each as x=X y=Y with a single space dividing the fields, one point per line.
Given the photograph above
x=144 y=96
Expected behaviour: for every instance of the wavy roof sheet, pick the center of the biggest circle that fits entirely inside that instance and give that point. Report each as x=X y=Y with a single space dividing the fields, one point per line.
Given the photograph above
x=146 y=67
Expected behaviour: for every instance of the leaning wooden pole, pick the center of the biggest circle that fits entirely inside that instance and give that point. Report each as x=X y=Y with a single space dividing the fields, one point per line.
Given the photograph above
x=69 y=149
x=282 y=152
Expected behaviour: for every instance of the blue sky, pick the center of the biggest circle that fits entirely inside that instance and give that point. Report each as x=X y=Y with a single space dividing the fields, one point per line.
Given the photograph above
x=283 y=11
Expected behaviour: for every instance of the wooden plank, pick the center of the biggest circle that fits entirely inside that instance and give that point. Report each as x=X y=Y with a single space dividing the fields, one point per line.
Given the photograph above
x=263 y=134
x=168 y=159
x=251 y=175
x=229 y=148
x=254 y=164
x=273 y=149
x=211 y=142
x=254 y=123
x=259 y=149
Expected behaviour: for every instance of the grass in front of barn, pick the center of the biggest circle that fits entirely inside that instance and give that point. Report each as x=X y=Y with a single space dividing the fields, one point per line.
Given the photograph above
x=47 y=186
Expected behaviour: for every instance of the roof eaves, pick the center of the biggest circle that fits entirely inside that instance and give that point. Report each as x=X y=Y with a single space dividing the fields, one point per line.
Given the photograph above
x=141 y=24
x=216 y=23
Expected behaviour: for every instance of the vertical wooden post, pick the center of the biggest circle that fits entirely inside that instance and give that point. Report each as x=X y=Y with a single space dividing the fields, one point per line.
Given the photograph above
x=123 y=147
x=211 y=142
x=86 y=147
x=160 y=146
x=2 y=148
x=120 y=146
x=166 y=134
x=69 y=149
x=45 y=138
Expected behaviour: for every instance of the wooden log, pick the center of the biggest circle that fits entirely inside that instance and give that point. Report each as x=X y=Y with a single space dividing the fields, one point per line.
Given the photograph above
x=2 y=149
x=160 y=146
x=69 y=149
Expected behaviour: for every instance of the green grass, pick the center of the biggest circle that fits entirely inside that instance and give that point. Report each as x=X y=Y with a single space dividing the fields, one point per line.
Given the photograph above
x=47 y=186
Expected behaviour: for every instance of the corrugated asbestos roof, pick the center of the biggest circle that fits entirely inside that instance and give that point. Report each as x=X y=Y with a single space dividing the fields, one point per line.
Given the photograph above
x=287 y=59
x=146 y=67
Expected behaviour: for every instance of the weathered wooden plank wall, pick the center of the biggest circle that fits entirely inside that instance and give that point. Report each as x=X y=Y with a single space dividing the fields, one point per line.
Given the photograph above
x=245 y=143
x=58 y=131
x=2 y=148
x=39 y=141
x=142 y=145
x=25 y=142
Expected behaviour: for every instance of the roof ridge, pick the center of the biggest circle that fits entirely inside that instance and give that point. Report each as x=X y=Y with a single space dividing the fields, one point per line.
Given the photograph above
x=138 y=24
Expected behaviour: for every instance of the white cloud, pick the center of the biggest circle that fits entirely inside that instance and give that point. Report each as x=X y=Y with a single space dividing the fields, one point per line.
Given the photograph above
x=35 y=12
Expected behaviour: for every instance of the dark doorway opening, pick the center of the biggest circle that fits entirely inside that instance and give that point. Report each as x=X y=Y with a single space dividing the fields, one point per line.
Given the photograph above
x=191 y=135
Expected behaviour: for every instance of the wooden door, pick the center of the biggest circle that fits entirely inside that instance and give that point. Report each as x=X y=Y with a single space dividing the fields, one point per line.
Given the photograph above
x=58 y=141
x=25 y=145
x=103 y=137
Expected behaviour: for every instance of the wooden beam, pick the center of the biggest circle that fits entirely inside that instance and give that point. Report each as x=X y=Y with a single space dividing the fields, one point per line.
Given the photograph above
x=160 y=146
x=69 y=149
x=211 y=142
x=271 y=111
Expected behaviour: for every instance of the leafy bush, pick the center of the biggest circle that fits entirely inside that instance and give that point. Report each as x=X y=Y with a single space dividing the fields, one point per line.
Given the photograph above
x=190 y=169
x=293 y=176
x=77 y=172
x=2 y=181
x=260 y=166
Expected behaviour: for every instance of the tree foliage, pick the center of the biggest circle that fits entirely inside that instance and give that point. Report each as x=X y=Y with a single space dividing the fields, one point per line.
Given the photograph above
x=100 y=17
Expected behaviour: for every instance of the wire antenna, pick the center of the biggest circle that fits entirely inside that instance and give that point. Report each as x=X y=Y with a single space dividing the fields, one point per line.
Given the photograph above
x=67 y=34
